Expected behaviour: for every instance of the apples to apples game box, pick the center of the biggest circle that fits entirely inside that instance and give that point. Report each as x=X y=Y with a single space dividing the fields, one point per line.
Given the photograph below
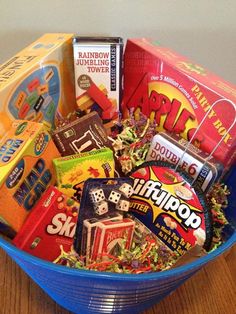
x=178 y=93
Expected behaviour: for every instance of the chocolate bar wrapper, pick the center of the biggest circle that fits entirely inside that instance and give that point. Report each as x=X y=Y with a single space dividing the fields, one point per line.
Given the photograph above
x=171 y=148
x=51 y=224
x=82 y=135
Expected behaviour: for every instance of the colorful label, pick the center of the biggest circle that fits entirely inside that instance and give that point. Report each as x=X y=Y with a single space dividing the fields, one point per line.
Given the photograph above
x=73 y=170
x=9 y=149
x=25 y=170
x=98 y=63
x=37 y=84
x=97 y=67
x=165 y=148
x=98 y=194
x=15 y=175
x=41 y=143
x=168 y=206
x=85 y=240
x=51 y=224
x=156 y=85
x=31 y=189
x=109 y=236
x=82 y=135
x=29 y=98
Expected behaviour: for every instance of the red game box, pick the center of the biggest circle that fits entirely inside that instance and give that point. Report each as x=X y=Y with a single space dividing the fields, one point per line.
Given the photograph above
x=52 y=223
x=178 y=93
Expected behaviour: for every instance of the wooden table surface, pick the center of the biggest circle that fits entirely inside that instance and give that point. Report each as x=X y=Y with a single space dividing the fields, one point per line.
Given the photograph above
x=212 y=291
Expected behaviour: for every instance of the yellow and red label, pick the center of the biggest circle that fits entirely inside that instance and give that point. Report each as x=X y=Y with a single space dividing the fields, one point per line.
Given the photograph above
x=178 y=95
x=167 y=204
x=51 y=224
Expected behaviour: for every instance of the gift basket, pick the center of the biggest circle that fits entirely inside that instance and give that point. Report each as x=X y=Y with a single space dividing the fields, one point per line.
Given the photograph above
x=110 y=208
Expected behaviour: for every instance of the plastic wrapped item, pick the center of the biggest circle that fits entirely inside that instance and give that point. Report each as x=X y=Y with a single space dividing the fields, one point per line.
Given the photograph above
x=73 y=170
x=174 y=210
x=51 y=224
x=81 y=135
x=102 y=200
x=177 y=93
x=26 y=153
x=171 y=148
x=98 y=75
x=37 y=83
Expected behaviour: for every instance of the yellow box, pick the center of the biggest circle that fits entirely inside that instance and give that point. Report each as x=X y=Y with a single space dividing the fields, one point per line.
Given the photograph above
x=73 y=170
x=26 y=153
x=48 y=63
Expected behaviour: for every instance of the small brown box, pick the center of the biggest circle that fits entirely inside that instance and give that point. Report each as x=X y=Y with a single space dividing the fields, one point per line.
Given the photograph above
x=82 y=135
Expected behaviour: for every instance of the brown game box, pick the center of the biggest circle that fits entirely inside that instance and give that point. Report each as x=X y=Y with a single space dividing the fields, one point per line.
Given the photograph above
x=81 y=135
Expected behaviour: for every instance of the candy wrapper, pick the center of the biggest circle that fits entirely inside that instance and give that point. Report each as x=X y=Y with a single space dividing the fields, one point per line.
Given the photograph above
x=101 y=198
x=170 y=207
x=52 y=223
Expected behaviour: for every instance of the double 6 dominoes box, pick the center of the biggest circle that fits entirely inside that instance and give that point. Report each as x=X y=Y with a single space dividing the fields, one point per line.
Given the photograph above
x=26 y=153
x=37 y=84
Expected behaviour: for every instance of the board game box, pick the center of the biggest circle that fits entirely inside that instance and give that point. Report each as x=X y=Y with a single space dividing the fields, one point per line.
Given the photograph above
x=37 y=83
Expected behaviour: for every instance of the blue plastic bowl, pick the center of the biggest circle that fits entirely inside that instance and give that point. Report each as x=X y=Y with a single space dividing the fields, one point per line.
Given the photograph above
x=82 y=291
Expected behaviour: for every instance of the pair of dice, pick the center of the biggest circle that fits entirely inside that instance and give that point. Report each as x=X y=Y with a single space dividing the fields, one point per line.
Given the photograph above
x=100 y=203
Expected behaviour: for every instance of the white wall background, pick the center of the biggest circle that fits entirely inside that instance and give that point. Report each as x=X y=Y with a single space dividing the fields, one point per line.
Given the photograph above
x=203 y=30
